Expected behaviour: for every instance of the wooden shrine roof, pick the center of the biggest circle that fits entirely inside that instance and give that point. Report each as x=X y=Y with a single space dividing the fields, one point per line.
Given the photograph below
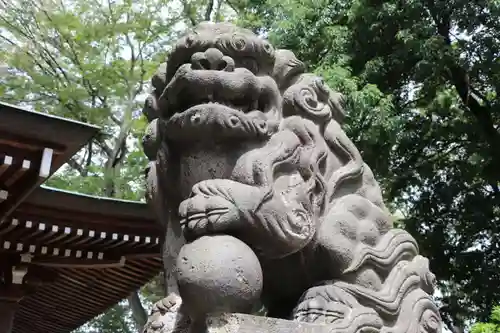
x=33 y=146
x=98 y=250
x=83 y=253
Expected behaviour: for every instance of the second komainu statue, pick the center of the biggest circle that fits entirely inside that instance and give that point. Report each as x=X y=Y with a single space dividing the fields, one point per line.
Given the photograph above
x=266 y=201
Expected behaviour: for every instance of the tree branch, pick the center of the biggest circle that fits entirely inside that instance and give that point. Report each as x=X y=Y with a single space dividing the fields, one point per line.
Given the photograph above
x=459 y=77
x=447 y=318
x=208 y=11
x=218 y=11
x=76 y=166
x=88 y=162
x=187 y=11
x=74 y=56
x=100 y=142
x=233 y=7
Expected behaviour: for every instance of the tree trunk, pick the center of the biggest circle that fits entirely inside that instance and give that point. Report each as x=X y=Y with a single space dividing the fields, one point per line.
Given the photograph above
x=113 y=164
x=138 y=312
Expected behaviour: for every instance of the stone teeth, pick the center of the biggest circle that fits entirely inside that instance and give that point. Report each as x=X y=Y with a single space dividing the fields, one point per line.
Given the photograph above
x=211 y=100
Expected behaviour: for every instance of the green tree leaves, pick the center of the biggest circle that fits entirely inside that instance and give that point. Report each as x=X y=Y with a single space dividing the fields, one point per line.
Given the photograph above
x=493 y=326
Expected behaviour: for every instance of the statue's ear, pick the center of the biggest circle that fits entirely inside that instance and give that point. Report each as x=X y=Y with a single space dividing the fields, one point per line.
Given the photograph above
x=154 y=148
x=157 y=154
x=286 y=68
x=151 y=107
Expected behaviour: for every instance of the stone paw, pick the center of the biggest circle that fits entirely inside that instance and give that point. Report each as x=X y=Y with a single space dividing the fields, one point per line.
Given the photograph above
x=171 y=303
x=324 y=304
x=166 y=317
x=212 y=207
x=206 y=214
x=330 y=305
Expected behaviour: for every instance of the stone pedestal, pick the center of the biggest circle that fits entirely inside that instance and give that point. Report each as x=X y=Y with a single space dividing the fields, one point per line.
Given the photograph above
x=242 y=323
x=7 y=312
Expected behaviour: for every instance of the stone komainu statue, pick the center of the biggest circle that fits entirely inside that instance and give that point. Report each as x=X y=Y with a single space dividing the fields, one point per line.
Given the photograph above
x=243 y=142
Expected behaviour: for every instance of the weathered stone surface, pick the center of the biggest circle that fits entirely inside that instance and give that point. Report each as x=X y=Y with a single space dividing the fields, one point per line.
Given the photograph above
x=244 y=143
x=241 y=323
x=216 y=274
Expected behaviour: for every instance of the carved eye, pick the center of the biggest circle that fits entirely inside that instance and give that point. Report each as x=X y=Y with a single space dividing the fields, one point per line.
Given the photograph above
x=239 y=43
x=267 y=47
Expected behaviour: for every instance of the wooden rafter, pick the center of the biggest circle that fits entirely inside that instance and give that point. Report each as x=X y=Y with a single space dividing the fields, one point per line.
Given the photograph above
x=69 y=256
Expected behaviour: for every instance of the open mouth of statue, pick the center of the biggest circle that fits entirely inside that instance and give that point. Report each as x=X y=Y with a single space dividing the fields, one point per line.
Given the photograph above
x=214 y=104
x=218 y=121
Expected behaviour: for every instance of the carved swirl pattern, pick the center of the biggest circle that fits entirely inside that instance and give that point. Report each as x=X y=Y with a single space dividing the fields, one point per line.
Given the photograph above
x=402 y=299
x=307 y=98
x=251 y=52
x=394 y=246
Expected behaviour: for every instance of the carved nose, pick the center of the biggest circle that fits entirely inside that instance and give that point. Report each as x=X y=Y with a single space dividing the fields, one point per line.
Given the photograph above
x=212 y=59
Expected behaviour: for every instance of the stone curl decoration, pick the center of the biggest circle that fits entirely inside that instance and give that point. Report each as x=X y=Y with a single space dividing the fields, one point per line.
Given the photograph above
x=265 y=199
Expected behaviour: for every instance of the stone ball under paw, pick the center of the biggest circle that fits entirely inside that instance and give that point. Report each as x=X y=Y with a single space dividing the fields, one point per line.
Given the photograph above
x=218 y=274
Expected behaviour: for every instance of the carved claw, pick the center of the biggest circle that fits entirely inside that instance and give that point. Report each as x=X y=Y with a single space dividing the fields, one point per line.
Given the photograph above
x=213 y=207
x=171 y=303
x=165 y=317
x=204 y=214
x=324 y=303
x=220 y=205
x=331 y=305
